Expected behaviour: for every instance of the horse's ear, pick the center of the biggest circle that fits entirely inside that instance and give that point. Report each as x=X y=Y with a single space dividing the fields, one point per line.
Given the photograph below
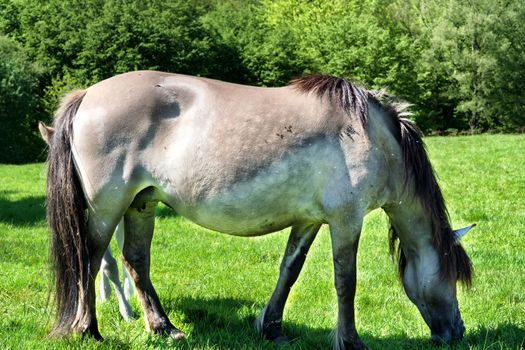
x=458 y=234
x=46 y=132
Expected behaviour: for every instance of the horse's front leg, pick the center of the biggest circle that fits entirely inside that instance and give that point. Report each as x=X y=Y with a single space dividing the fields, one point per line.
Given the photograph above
x=138 y=230
x=345 y=241
x=269 y=322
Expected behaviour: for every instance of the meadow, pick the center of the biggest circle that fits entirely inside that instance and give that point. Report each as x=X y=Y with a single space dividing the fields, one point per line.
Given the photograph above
x=213 y=285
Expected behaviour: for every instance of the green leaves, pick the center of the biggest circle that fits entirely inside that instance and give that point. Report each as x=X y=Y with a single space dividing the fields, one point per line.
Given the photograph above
x=461 y=64
x=467 y=45
x=18 y=84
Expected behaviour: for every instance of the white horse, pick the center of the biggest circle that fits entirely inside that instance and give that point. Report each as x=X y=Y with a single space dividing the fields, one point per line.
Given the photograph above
x=245 y=161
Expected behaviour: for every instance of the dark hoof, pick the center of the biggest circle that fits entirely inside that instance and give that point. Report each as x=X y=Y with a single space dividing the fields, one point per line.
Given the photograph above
x=440 y=340
x=281 y=341
x=91 y=332
x=345 y=344
x=170 y=330
x=270 y=330
x=352 y=346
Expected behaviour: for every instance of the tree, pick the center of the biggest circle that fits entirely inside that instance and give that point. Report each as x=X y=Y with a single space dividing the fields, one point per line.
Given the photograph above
x=467 y=50
x=18 y=101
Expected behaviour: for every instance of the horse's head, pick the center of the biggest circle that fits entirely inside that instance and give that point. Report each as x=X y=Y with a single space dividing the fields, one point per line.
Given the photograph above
x=431 y=258
x=434 y=294
x=47 y=133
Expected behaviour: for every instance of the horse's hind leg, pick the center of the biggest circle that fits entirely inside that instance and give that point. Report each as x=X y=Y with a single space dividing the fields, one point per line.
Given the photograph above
x=138 y=229
x=105 y=287
x=126 y=278
x=109 y=270
x=100 y=230
x=269 y=322
x=345 y=240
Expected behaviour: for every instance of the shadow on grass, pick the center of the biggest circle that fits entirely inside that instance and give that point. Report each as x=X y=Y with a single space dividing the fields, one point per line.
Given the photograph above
x=505 y=335
x=228 y=323
x=21 y=212
x=31 y=210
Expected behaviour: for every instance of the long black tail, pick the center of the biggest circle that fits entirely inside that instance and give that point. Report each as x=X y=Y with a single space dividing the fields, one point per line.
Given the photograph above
x=69 y=254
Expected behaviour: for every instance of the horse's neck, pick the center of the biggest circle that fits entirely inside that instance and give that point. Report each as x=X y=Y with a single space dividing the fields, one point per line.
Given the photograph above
x=381 y=132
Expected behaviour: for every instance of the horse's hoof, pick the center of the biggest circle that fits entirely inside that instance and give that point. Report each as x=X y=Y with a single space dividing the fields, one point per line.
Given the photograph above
x=270 y=330
x=90 y=333
x=177 y=334
x=356 y=344
x=89 y=329
x=281 y=341
x=126 y=312
x=169 y=330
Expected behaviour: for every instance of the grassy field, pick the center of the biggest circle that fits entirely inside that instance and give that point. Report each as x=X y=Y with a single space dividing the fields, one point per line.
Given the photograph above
x=213 y=285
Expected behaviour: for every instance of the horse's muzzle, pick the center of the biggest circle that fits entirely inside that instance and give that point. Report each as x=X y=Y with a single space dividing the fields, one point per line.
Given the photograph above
x=448 y=335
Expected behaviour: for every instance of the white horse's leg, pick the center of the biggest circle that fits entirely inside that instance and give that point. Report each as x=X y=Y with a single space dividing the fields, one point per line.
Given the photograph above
x=105 y=288
x=345 y=240
x=139 y=223
x=269 y=321
x=129 y=290
x=109 y=269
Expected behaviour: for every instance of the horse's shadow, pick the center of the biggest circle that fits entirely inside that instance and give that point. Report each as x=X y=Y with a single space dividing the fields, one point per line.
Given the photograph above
x=32 y=211
x=227 y=323
x=21 y=212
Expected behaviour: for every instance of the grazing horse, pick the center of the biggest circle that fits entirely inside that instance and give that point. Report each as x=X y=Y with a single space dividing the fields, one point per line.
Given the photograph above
x=245 y=161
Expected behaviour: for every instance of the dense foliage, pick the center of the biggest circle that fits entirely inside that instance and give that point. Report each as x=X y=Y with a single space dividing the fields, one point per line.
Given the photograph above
x=18 y=99
x=462 y=64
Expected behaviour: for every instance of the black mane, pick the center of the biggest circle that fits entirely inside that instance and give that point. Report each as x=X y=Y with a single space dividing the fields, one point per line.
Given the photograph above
x=350 y=97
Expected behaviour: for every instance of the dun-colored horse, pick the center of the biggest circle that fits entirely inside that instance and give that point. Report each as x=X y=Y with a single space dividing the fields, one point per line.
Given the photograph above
x=245 y=161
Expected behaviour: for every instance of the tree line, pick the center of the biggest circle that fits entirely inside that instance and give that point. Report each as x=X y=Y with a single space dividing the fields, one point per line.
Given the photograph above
x=461 y=63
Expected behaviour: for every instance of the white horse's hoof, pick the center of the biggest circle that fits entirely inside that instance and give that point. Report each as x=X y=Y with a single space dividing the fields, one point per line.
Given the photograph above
x=126 y=312
x=177 y=334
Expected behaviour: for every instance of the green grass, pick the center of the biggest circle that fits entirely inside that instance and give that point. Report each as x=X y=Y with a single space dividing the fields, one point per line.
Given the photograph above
x=213 y=285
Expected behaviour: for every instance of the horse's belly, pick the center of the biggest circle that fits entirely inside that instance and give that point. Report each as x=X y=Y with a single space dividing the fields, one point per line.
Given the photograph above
x=250 y=209
x=288 y=191
x=241 y=224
